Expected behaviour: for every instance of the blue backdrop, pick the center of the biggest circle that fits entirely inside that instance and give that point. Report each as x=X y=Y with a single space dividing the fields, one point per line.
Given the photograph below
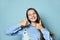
x=13 y=11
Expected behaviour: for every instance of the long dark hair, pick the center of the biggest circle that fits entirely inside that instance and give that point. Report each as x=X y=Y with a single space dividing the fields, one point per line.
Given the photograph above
x=37 y=21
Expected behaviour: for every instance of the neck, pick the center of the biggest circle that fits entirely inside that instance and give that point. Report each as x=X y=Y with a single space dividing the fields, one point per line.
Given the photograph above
x=33 y=23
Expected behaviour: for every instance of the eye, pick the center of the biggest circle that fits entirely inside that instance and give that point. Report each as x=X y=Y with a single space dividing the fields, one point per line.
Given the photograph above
x=29 y=14
x=34 y=13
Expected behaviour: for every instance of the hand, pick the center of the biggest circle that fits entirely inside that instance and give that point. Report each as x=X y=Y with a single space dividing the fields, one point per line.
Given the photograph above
x=23 y=22
x=39 y=26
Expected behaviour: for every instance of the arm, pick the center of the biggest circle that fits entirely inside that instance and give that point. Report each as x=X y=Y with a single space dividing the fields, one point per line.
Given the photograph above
x=46 y=34
x=17 y=29
x=44 y=31
x=14 y=30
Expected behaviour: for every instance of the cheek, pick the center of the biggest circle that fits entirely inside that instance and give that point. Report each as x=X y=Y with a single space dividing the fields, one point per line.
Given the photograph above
x=29 y=17
x=35 y=15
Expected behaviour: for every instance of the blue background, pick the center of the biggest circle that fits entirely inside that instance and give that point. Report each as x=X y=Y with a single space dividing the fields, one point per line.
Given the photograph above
x=13 y=11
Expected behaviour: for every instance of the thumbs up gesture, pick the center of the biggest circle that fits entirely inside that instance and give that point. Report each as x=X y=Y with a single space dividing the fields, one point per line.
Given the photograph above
x=23 y=22
x=39 y=26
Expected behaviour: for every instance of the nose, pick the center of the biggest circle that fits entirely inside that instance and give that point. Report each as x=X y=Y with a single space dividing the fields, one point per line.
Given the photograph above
x=32 y=15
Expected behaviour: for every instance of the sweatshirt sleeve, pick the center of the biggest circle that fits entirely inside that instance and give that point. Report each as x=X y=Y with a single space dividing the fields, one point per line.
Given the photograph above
x=15 y=29
x=46 y=34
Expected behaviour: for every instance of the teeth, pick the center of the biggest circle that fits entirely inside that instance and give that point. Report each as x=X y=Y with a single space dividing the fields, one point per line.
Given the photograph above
x=33 y=18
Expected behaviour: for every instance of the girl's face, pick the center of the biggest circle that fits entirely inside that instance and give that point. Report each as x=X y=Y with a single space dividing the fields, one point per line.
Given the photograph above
x=32 y=15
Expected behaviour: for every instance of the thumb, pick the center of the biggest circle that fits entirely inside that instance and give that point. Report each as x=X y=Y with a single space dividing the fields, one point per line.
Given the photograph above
x=40 y=22
x=24 y=19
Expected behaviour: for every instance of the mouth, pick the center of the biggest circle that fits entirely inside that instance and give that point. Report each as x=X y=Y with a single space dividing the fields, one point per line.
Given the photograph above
x=33 y=18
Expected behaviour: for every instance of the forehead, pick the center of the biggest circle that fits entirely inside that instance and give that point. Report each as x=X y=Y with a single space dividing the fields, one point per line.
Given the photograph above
x=31 y=11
